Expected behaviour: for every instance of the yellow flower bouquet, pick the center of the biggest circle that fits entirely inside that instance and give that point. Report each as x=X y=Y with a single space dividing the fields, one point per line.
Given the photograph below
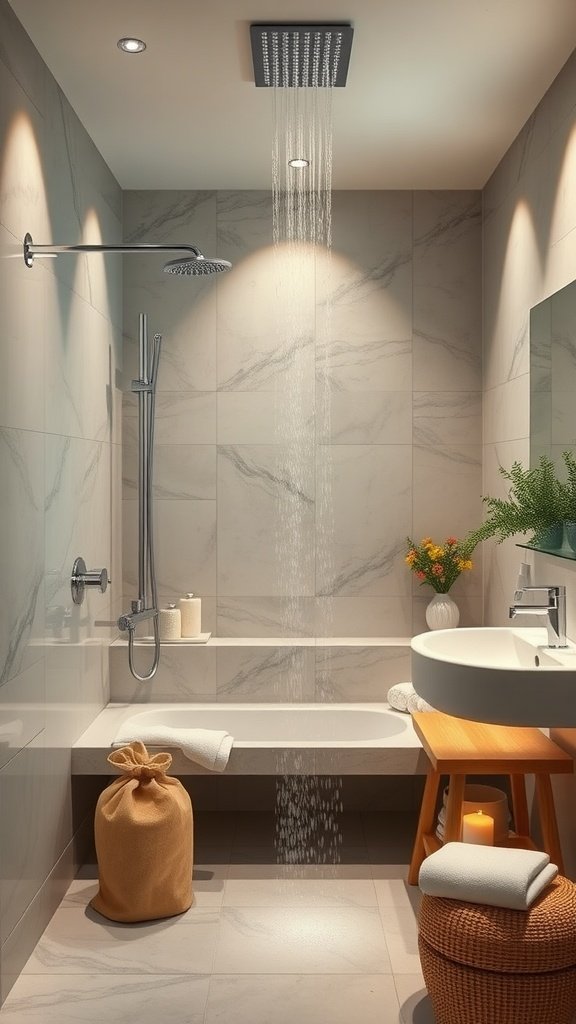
x=438 y=565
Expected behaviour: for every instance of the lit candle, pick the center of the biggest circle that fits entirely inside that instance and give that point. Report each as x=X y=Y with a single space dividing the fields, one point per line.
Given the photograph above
x=478 y=828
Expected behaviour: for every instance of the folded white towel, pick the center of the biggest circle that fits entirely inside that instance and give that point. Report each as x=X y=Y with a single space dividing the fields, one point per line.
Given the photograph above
x=494 y=875
x=403 y=697
x=207 y=747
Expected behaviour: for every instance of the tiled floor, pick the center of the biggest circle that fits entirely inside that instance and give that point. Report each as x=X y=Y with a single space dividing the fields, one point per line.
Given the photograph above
x=263 y=944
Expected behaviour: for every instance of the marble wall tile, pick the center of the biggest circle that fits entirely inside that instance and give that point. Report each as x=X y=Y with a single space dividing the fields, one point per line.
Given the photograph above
x=447 y=490
x=447 y=417
x=255 y=483
x=266 y=616
x=22 y=710
x=270 y=417
x=21 y=341
x=274 y=674
x=447 y=279
x=185 y=534
x=21 y=550
x=359 y=673
x=368 y=279
x=79 y=377
x=364 y=365
x=366 y=417
x=357 y=615
x=365 y=504
x=243 y=222
x=181 y=418
x=184 y=674
x=185 y=471
x=507 y=411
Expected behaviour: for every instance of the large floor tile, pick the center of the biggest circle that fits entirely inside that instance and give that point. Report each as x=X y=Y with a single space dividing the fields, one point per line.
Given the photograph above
x=415 y=1006
x=285 y=999
x=207 y=882
x=302 y=940
x=401 y=931
x=82 y=942
x=91 y=999
x=304 y=885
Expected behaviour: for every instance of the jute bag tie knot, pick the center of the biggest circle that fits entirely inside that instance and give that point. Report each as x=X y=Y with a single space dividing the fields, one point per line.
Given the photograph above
x=143 y=834
x=136 y=762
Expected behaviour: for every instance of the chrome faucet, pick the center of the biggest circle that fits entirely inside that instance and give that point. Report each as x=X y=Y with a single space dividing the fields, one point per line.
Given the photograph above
x=548 y=601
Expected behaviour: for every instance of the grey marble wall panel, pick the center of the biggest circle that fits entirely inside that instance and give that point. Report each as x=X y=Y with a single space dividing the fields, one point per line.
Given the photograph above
x=447 y=297
x=266 y=616
x=359 y=673
x=185 y=673
x=269 y=674
x=22 y=710
x=184 y=471
x=364 y=517
x=256 y=553
x=185 y=546
x=21 y=550
x=60 y=421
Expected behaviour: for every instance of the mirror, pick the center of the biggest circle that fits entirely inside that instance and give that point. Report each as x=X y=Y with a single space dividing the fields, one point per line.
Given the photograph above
x=553 y=381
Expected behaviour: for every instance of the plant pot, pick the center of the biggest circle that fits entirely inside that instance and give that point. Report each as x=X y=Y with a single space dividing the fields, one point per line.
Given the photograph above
x=442 y=612
x=551 y=538
x=570 y=531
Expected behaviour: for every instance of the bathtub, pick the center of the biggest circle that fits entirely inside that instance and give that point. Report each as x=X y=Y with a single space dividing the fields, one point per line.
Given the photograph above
x=305 y=739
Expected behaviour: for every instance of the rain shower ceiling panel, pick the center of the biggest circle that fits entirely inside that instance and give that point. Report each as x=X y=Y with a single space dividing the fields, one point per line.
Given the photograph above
x=306 y=56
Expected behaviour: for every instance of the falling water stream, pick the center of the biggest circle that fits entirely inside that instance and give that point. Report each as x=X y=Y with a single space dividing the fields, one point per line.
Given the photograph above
x=308 y=804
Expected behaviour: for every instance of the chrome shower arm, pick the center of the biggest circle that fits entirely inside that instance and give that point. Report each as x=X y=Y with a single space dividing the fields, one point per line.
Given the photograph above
x=31 y=249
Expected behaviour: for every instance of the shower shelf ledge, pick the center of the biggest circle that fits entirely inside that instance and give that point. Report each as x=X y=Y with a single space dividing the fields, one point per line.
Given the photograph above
x=307 y=641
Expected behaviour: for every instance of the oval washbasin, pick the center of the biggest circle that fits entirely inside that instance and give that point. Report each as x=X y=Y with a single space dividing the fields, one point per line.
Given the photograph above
x=500 y=675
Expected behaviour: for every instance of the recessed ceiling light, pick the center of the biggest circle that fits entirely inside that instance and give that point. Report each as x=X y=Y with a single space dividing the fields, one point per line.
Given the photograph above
x=298 y=162
x=131 y=45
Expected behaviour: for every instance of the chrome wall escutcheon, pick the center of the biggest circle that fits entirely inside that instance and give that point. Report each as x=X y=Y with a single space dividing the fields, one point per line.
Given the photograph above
x=82 y=578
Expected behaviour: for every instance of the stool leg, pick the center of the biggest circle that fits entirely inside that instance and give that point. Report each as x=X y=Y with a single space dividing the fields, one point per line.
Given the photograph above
x=425 y=824
x=548 y=823
x=520 y=805
x=453 y=823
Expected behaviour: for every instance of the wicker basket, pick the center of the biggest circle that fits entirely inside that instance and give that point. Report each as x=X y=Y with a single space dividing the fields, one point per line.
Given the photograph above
x=488 y=965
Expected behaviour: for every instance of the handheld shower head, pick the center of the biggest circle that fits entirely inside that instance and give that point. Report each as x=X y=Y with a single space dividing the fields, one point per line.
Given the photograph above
x=193 y=265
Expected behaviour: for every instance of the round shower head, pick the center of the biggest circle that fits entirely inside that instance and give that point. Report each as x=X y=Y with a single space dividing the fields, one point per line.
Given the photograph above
x=193 y=265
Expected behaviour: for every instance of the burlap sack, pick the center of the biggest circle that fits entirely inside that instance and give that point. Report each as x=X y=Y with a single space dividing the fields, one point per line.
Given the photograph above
x=143 y=833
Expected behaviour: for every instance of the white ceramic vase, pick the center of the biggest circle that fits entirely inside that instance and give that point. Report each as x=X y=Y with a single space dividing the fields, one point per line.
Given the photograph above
x=442 y=612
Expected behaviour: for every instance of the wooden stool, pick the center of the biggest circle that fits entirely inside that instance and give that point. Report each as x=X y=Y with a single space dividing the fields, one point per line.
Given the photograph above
x=458 y=748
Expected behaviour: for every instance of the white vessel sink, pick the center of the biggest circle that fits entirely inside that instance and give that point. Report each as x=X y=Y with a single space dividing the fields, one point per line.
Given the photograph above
x=502 y=675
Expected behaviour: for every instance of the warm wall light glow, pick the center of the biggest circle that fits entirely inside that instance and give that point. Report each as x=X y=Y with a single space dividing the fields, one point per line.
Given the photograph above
x=131 y=45
x=22 y=181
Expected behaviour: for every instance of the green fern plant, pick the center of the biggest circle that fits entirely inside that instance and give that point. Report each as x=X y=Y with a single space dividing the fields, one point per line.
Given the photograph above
x=570 y=486
x=536 y=501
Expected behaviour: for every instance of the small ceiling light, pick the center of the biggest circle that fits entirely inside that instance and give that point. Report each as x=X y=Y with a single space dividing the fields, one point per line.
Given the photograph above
x=131 y=45
x=298 y=162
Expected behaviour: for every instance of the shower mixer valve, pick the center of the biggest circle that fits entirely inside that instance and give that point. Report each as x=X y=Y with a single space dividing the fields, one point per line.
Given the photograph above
x=82 y=578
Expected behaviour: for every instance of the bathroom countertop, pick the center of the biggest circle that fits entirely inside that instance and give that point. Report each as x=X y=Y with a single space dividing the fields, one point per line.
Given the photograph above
x=397 y=754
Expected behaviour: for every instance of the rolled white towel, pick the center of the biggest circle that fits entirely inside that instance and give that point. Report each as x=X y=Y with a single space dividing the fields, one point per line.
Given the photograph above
x=403 y=697
x=207 y=747
x=494 y=875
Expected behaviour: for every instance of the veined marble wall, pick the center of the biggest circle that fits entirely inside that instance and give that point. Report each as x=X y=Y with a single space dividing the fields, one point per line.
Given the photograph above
x=60 y=433
x=400 y=451
x=529 y=253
